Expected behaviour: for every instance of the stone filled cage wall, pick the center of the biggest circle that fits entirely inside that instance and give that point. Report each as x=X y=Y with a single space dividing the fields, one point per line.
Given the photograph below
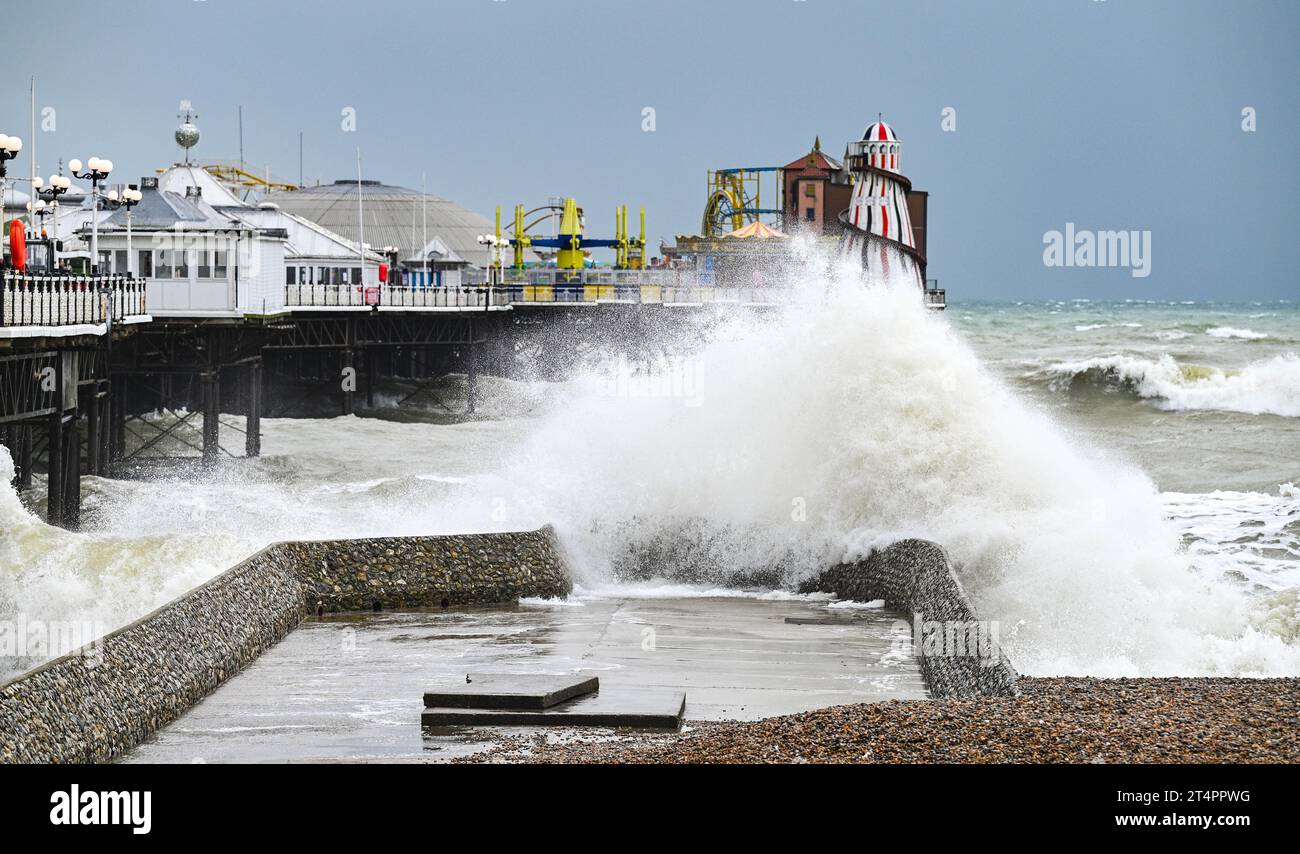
x=94 y=704
x=959 y=654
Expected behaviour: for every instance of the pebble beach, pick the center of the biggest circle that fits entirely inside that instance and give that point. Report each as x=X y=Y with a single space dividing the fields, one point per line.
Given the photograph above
x=1054 y=720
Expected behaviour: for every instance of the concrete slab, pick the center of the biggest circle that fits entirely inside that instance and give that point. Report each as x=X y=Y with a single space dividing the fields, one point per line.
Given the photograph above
x=510 y=691
x=628 y=708
x=824 y=621
x=348 y=687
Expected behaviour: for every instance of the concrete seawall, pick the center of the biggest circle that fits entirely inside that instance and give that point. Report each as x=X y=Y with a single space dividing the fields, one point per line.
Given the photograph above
x=959 y=655
x=96 y=703
x=413 y=572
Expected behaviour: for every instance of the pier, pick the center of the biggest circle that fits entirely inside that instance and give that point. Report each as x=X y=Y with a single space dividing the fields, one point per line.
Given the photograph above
x=84 y=360
x=183 y=296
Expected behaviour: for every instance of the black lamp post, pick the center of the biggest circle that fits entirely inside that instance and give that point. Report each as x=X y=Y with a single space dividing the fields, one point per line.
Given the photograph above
x=129 y=198
x=97 y=171
x=56 y=186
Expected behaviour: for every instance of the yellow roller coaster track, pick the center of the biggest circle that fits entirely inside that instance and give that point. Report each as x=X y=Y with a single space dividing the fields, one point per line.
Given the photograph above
x=237 y=176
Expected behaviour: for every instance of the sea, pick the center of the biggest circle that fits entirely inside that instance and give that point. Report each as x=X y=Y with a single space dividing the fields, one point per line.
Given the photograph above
x=1115 y=482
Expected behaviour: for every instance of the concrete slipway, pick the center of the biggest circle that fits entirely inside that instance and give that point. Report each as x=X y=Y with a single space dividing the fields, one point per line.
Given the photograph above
x=349 y=687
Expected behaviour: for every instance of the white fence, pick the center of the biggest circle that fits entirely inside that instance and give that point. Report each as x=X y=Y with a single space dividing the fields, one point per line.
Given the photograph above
x=51 y=301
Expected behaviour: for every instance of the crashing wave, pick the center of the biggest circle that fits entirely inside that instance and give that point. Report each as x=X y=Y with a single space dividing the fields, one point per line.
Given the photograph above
x=1270 y=387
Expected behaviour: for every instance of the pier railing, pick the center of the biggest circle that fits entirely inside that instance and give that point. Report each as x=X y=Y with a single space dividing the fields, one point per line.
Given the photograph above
x=392 y=296
x=52 y=301
x=935 y=296
x=556 y=277
x=483 y=289
x=650 y=286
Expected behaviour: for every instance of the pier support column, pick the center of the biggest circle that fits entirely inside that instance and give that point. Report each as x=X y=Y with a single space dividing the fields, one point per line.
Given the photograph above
x=472 y=370
x=94 y=440
x=54 y=480
x=348 y=380
x=211 y=413
x=24 y=457
x=57 y=450
x=105 y=398
x=372 y=377
x=72 y=477
x=117 y=417
x=253 y=426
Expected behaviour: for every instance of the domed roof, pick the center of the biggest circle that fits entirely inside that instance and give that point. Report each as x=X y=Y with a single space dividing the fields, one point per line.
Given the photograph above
x=394 y=216
x=879 y=131
x=15 y=199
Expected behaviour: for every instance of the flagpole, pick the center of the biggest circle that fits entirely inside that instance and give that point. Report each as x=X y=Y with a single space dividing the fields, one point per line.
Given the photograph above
x=424 y=216
x=361 y=224
x=31 y=215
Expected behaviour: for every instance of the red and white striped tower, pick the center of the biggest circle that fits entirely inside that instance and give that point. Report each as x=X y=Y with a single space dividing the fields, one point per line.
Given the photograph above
x=876 y=225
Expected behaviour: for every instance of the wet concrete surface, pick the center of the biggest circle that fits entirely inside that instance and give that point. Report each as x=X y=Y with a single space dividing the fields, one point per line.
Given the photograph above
x=350 y=688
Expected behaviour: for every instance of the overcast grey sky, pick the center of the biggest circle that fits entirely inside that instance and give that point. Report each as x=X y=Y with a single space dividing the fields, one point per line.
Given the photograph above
x=1111 y=114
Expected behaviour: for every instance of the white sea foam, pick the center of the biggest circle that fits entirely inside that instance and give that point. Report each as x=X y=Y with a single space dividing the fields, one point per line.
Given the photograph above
x=1234 y=332
x=830 y=425
x=830 y=430
x=1089 y=327
x=665 y=589
x=1270 y=387
x=853 y=605
x=1250 y=536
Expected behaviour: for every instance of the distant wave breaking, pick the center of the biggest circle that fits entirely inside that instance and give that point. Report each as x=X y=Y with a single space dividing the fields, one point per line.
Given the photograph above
x=1270 y=387
x=1234 y=332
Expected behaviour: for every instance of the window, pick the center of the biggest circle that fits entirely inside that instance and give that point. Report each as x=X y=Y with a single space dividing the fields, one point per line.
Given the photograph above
x=323 y=275
x=164 y=266
x=356 y=275
x=204 y=258
x=181 y=261
x=146 y=263
x=809 y=214
x=290 y=274
x=810 y=190
x=119 y=262
x=219 y=267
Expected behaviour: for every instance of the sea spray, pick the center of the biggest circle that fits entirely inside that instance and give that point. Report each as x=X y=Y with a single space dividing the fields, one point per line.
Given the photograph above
x=874 y=418
x=56 y=577
x=807 y=437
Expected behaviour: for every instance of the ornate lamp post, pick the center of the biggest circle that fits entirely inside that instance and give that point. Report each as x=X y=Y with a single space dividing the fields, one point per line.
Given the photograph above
x=50 y=191
x=129 y=198
x=97 y=171
x=9 y=148
x=41 y=210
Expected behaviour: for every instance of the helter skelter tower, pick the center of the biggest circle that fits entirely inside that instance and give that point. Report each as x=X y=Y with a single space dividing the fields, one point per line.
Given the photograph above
x=877 y=227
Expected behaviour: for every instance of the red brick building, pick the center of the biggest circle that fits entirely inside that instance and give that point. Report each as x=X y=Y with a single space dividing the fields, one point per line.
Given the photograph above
x=816 y=190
